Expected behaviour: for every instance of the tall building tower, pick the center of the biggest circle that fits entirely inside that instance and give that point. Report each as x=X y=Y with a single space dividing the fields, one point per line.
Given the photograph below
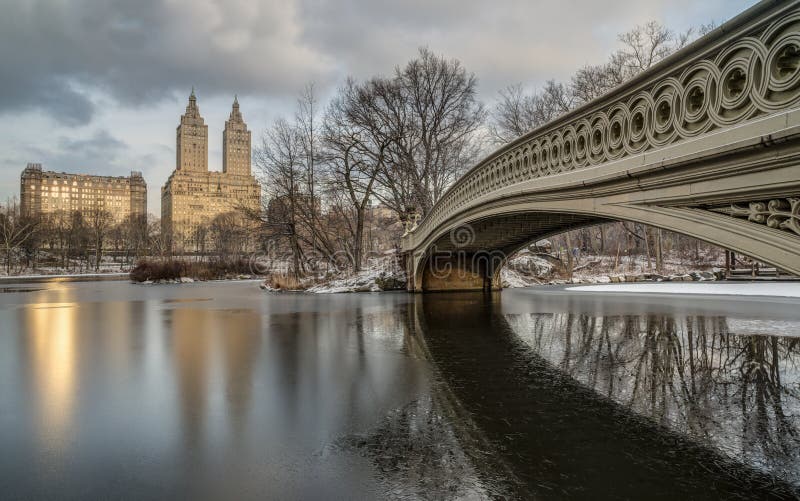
x=194 y=197
x=236 y=144
x=192 y=139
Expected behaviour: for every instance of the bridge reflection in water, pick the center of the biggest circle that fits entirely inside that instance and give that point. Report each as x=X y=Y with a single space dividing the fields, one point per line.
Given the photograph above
x=629 y=406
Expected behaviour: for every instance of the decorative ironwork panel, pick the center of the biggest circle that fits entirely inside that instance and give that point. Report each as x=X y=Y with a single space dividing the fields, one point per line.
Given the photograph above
x=779 y=213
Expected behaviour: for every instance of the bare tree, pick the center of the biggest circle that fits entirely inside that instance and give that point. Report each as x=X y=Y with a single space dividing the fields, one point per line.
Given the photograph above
x=707 y=28
x=278 y=159
x=592 y=81
x=430 y=113
x=60 y=230
x=228 y=234
x=15 y=230
x=355 y=155
x=156 y=239
x=78 y=240
x=306 y=124
x=200 y=236
x=445 y=116
x=100 y=223
x=383 y=107
x=647 y=44
x=136 y=235
x=516 y=112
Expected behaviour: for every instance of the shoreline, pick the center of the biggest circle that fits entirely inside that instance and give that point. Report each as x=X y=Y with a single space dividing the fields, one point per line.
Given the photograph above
x=75 y=277
x=754 y=289
x=738 y=288
x=109 y=277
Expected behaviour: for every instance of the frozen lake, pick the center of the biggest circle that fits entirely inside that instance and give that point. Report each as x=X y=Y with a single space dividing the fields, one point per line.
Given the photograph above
x=221 y=391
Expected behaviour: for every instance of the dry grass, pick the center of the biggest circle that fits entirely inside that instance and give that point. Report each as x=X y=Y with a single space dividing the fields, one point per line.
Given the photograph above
x=284 y=281
x=175 y=269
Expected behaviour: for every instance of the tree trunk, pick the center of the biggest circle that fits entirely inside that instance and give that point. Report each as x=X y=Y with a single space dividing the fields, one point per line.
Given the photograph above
x=298 y=271
x=359 y=239
x=98 y=251
x=602 y=239
x=659 y=251
x=569 y=255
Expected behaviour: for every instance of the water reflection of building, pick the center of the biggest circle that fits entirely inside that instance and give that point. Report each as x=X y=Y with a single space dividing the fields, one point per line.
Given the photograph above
x=65 y=347
x=53 y=363
x=214 y=355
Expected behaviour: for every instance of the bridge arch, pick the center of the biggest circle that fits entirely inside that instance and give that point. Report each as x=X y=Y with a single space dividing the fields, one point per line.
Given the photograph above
x=457 y=256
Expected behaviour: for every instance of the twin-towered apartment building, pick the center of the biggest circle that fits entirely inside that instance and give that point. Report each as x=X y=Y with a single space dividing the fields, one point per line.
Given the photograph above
x=194 y=196
x=191 y=199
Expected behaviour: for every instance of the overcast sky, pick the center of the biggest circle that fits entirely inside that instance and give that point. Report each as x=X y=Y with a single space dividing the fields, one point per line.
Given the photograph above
x=99 y=86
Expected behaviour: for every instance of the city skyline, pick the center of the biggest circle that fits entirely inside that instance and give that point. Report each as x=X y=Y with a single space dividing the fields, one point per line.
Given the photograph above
x=87 y=119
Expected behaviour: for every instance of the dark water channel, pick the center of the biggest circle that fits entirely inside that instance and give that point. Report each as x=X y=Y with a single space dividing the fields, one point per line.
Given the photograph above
x=220 y=391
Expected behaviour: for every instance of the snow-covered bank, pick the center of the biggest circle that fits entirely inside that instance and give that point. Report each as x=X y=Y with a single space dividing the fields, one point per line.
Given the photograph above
x=370 y=280
x=513 y=278
x=530 y=267
x=779 y=289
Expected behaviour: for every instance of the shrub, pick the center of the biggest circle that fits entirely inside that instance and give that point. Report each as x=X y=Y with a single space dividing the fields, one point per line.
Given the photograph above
x=157 y=270
x=175 y=269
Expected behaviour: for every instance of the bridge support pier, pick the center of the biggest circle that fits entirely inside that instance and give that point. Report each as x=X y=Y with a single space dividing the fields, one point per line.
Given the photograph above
x=454 y=271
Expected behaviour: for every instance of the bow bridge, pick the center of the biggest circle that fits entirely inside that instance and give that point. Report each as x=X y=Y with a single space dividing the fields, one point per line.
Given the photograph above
x=706 y=143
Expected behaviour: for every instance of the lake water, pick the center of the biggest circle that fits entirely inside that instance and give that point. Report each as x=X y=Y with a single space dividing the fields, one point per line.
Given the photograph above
x=221 y=391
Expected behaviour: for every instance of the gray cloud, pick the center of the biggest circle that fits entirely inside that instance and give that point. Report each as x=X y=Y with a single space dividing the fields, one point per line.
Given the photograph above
x=55 y=54
x=101 y=144
x=114 y=74
x=51 y=93
x=503 y=43
x=99 y=153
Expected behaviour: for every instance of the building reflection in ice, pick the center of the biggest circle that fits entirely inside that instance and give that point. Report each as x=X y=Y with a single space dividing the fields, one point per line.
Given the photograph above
x=53 y=360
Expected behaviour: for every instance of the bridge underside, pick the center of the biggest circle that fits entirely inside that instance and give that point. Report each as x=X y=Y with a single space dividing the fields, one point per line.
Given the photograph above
x=470 y=256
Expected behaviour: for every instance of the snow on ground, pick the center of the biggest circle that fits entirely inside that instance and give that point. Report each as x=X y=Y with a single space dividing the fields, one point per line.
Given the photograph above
x=530 y=267
x=780 y=289
x=374 y=279
x=510 y=278
x=359 y=283
x=370 y=280
x=758 y=327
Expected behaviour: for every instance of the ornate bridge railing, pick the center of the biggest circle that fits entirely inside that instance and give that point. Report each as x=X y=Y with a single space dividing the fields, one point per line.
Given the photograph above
x=746 y=69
